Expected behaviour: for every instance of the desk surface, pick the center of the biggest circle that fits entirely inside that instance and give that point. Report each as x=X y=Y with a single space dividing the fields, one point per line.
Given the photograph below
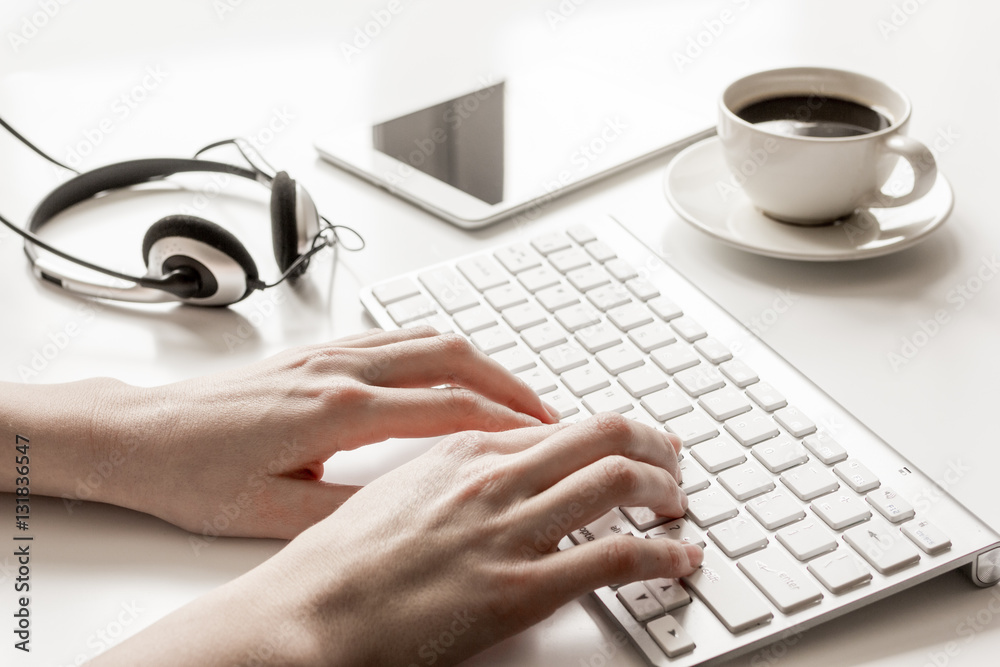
x=170 y=77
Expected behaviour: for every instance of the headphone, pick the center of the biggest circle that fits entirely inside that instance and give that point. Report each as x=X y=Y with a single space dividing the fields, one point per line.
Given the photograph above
x=188 y=259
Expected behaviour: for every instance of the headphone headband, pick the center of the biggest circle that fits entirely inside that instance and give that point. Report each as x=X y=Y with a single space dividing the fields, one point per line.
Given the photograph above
x=123 y=175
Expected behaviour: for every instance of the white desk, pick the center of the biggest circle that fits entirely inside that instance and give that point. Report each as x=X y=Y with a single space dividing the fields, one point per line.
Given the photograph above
x=193 y=73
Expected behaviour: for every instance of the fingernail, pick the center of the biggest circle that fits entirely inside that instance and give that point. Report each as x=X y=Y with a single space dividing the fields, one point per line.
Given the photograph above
x=552 y=411
x=694 y=554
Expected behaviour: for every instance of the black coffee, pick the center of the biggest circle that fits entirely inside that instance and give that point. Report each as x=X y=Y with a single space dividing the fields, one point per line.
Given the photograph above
x=814 y=116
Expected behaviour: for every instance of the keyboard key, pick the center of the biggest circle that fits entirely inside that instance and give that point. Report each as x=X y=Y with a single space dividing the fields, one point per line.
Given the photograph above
x=857 y=476
x=396 y=290
x=567 y=260
x=438 y=322
x=620 y=358
x=766 y=396
x=650 y=336
x=515 y=359
x=728 y=594
x=483 y=272
x=411 y=308
x=549 y=243
x=609 y=399
x=780 y=579
x=751 y=427
x=563 y=402
x=538 y=278
x=600 y=251
x=493 y=340
x=666 y=404
x=587 y=278
x=693 y=476
x=539 y=379
x=586 y=379
x=643 y=380
x=629 y=316
x=718 y=454
x=556 y=297
x=692 y=428
x=840 y=571
x=738 y=536
x=740 y=374
x=824 y=447
x=670 y=636
x=840 y=510
x=775 y=509
x=699 y=380
x=724 y=403
x=674 y=358
x=474 y=319
x=710 y=507
x=449 y=289
x=523 y=316
x=562 y=358
x=795 y=422
x=505 y=296
x=927 y=536
x=809 y=481
x=807 y=539
x=577 y=317
x=621 y=269
x=518 y=257
x=639 y=601
x=642 y=289
x=668 y=592
x=713 y=350
x=607 y=297
x=688 y=329
x=581 y=234
x=598 y=337
x=746 y=481
x=890 y=504
x=643 y=518
x=609 y=524
x=681 y=530
x=779 y=454
x=882 y=545
x=543 y=336
x=664 y=308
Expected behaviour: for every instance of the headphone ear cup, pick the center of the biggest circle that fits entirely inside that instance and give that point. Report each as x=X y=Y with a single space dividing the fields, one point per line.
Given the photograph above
x=226 y=270
x=284 y=235
x=294 y=222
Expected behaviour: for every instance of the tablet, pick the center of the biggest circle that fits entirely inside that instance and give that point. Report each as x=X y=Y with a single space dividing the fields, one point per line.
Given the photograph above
x=513 y=145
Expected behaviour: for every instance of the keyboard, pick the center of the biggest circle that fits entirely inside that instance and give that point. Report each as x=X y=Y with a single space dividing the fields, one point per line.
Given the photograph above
x=804 y=514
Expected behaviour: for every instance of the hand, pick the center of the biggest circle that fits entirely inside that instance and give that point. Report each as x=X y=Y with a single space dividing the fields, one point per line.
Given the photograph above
x=445 y=555
x=242 y=452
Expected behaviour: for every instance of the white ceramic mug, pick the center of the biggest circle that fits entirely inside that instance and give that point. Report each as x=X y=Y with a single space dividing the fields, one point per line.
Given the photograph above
x=812 y=180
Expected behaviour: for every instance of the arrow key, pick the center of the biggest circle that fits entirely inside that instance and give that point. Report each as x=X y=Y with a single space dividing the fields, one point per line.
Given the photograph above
x=639 y=601
x=669 y=593
x=670 y=636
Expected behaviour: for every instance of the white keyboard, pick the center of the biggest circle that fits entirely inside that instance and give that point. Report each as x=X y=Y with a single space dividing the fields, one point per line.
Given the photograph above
x=803 y=512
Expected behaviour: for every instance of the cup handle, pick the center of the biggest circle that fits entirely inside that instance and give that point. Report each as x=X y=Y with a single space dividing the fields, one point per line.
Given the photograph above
x=924 y=171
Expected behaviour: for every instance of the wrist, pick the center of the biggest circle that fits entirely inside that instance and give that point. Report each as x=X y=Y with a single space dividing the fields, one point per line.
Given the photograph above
x=72 y=430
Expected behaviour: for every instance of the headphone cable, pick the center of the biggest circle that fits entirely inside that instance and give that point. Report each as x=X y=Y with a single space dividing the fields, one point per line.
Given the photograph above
x=35 y=148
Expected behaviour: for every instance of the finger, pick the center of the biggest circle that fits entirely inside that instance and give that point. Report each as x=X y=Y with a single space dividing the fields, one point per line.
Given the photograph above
x=613 y=481
x=421 y=413
x=453 y=360
x=588 y=441
x=615 y=560
x=378 y=337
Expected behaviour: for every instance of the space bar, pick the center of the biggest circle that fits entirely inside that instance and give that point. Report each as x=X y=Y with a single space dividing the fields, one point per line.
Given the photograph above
x=728 y=594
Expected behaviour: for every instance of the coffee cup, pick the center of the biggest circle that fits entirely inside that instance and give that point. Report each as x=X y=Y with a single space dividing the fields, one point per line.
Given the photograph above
x=811 y=145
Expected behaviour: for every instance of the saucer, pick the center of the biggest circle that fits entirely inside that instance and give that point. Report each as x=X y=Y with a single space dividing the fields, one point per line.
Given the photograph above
x=700 y=187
